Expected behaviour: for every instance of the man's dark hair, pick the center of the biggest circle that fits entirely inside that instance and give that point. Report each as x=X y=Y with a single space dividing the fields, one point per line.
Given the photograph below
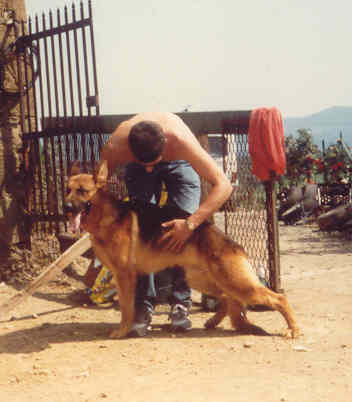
x=146 y=140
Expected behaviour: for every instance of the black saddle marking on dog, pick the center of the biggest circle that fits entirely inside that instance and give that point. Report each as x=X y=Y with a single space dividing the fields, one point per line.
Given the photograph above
x=151 y=216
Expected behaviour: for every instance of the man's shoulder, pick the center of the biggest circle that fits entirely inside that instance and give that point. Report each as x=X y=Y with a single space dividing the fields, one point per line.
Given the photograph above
x=175 y=130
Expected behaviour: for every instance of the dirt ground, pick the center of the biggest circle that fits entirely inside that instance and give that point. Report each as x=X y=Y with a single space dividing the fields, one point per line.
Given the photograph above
x=55 y=350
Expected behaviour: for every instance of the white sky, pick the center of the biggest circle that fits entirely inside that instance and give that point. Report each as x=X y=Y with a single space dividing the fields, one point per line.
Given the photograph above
x=220 y=55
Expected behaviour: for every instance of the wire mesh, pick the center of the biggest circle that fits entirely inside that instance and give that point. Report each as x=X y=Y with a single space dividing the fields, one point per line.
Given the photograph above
x=245 y=212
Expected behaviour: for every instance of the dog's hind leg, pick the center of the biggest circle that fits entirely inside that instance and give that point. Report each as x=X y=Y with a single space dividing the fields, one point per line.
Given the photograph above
x=278 y=302
x=220 y=314
x=200 y=280
x=240 y=321
x=234 y=275
x=237 y=315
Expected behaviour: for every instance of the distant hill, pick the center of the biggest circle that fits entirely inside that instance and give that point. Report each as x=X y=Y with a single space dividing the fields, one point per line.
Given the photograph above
x=325 y=125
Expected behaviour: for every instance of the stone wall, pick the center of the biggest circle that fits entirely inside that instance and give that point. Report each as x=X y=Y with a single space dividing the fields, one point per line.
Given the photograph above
x=12 y=194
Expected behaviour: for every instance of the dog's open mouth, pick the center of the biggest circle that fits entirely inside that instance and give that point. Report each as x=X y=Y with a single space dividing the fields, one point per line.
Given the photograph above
x=77 y=219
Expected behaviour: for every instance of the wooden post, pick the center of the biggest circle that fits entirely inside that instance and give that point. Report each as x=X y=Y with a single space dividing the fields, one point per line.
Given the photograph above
x=325 y=173
x=273 y=236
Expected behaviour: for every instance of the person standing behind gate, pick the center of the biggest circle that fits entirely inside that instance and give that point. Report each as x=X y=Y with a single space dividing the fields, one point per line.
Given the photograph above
x=158 y=147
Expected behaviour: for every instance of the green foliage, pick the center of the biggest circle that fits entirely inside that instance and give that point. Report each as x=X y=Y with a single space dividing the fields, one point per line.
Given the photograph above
x=305 y=162
x=337 y=164
x=301 y=155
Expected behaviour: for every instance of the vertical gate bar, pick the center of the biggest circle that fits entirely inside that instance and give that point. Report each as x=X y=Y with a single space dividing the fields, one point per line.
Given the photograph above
x=94 y=60
x=273 y=235
x=33 y=76
x=57 y=111
x=94 y=65
x=62 y=70
x=37 y=145
x=79 y=85
x=88 y=90
x=87 y=81
x=78 y=72
x=47 y=71
x=53 y=55
x=63 y=139
x=70 y=75
x=50 y=115
x=85 y=57
x=28 y=125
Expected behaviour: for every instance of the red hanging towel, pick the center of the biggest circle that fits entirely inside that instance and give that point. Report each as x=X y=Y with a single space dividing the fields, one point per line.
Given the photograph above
x=266 y=143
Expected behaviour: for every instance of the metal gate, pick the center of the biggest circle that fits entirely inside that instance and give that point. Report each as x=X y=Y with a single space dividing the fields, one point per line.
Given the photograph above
x=58 y=82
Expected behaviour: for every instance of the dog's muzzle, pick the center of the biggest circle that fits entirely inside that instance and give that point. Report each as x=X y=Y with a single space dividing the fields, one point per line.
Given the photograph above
x=69 y=208
x=76 y=215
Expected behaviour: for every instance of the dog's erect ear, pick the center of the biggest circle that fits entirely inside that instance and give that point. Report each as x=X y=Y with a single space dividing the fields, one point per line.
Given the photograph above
x=75 y=168
x=101 y=173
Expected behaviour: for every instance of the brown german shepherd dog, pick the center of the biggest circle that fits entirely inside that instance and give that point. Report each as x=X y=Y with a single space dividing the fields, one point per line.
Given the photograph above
x=125 y=237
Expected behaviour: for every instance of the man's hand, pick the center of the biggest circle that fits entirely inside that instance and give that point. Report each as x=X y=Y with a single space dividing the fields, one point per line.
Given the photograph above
x=177 y=235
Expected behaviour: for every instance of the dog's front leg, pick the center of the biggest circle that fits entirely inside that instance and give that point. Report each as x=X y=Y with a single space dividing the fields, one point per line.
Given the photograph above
x=125 y=279
x=126 y=284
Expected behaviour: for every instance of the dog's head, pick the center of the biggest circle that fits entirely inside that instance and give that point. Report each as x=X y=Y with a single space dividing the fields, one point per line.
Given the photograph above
x=81 y=189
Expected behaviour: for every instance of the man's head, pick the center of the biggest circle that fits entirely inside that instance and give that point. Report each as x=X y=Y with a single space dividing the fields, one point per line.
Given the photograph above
x=146 y=140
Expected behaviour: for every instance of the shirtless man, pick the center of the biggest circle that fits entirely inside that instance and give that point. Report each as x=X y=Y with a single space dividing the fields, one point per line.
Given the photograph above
x=160 y=148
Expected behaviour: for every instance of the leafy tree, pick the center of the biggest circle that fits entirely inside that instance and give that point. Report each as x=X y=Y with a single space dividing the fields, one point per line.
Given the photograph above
x=337 y=164
x=302 y=157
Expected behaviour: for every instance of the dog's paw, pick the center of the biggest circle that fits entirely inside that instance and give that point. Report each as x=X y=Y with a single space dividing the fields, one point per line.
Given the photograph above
x=292 y=333
x=118 y=334
x=211 y=323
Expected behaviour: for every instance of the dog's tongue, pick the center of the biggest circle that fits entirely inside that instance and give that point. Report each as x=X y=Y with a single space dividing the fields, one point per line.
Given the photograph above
x=75 y=222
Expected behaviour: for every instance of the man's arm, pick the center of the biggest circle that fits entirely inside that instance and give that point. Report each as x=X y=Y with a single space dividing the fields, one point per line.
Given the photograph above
x=206 y=167
x=189 y=149
x=116 y=151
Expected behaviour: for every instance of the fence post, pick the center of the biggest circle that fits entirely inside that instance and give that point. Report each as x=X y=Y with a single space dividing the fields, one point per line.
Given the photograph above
x=273 y=236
